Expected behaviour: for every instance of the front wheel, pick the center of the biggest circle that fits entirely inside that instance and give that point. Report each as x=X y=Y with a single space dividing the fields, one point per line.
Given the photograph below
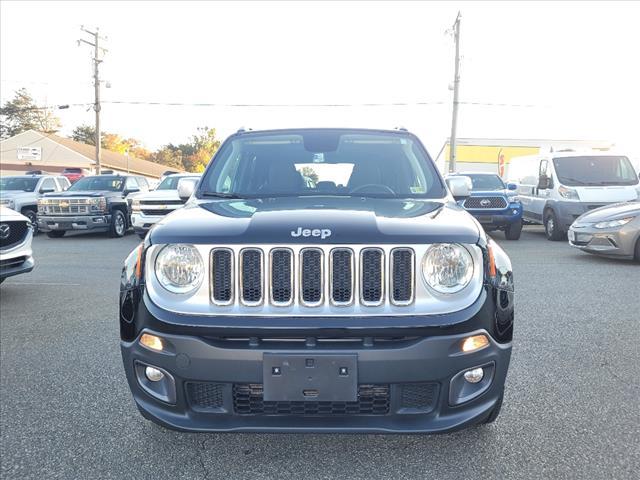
x=637 y=252
x=56 y=233
x=513 y=230
x=552 y=228
x=33 y=219
x=118 y=224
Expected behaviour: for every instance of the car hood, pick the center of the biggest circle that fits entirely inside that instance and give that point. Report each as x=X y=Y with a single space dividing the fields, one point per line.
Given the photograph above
x=349 y=220
x=8 y=215
x=83 y=193
x=610 y=212
x=485 y=193
x=159 y=195
x=14 y=194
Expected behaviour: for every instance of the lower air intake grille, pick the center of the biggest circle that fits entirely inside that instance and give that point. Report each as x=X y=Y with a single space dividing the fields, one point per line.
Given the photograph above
x=372 y=400
x=419 y=396
x=341 y=276
x=402 y=276
x=251 y=271
x=485 y=202
x=205 y=395
x=281 y=277
x=222 y=283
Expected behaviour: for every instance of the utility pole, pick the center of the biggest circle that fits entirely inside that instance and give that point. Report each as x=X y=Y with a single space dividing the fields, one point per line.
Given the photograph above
x=96 y=83
x=456 y=85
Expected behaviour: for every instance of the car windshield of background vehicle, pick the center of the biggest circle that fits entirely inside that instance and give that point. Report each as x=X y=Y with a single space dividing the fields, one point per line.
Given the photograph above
x=72 y=170
x=113 y=184
x=323 y=163
x=22 y=184
x=486 y=182
x=595 y=170
x=171 y=182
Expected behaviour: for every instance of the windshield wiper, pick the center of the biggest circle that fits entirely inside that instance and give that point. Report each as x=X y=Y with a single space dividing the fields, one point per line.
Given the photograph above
x=220 y=195
x=574 y=180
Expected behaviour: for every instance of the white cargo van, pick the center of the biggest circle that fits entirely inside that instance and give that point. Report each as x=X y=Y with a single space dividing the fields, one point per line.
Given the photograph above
x=556 y=188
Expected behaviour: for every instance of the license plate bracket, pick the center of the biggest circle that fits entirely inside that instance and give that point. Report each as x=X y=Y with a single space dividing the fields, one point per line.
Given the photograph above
x=310 y=377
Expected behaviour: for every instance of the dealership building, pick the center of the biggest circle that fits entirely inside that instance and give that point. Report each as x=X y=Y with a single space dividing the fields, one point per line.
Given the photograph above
x=33 y=150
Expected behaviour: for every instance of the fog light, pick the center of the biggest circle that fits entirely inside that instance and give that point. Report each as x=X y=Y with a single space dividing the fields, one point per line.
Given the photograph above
x=476 y=342
x=151 y=341
x=471 y=376
x=155 y=375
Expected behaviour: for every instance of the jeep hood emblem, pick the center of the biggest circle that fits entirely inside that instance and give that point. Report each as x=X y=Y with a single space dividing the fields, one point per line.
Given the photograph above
x=308 y=232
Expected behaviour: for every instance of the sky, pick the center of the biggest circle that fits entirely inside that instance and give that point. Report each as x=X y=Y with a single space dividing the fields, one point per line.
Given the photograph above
x=543 y=70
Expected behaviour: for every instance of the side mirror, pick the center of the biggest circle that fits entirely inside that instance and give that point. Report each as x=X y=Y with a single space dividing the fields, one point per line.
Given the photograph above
x=459 y=186
x=131 y=190
x=47 y=190
x=544 y=182
x=186 y=187
x=512 y=186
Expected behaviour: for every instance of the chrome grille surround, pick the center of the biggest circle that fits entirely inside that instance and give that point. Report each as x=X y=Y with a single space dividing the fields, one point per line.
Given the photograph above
x=250 y=288
x=272 y=281
x=392 y=272
x=215 y=298
x=301 y=276
x=344 y=276
x=66 y=206
x=425 y=301
x=380 y=286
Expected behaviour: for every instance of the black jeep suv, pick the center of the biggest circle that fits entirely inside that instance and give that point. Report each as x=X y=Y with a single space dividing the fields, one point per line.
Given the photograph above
x=96 y=203
x=318 y=280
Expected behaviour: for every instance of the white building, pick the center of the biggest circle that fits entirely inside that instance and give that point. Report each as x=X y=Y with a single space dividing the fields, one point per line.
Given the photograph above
x=33 y=150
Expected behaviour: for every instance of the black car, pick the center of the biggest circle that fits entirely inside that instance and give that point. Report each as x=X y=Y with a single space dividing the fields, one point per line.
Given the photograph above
x=364 y=301
x=94 y=203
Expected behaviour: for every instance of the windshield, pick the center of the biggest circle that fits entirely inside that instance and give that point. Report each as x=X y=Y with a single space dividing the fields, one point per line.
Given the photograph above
x=595 y=170
x=322 y=162
x=113 y=184
x=22 y=184
x=486 y=182
x=171 y=182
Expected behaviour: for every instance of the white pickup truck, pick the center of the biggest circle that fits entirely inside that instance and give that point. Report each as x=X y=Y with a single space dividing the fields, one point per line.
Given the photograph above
x=151 y=207
x=21 y=193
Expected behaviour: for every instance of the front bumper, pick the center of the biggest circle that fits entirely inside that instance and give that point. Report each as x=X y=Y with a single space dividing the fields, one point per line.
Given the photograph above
x=17 y=259
x=614 y=242
x=212 y=370
x=142 y=222
x=497 y=219
x=74 y=222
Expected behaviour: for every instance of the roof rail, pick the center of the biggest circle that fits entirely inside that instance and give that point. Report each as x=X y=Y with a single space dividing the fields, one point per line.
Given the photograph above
x=243 y=129
x=402 y=129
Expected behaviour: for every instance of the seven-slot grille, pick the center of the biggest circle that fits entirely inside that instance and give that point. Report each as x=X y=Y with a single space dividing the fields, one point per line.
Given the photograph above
x=66 y=206
x=485 y=202
x=305 y=276
x=159 y=207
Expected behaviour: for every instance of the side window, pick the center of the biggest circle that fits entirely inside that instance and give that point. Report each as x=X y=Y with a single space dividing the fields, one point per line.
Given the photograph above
x=48 y=184
x=63 y=183
x=544 y=166
x=144 y=185
x=131 y=184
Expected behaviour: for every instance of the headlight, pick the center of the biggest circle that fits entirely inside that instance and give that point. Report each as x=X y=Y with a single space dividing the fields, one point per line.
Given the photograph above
x=614 y=223
x=135 y=205
x=7 y=203
x=179 y=268
x=567 y=192
x=98 y=204
x=447 y=267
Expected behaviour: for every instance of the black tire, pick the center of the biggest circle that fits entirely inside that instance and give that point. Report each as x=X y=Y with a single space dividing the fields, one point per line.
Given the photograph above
x=637 y=252
x=142 y=235
x=513 y=230
x=118 y=224
x=496 y=410
x=56 y=233
x=552 y=229
x=33 y=218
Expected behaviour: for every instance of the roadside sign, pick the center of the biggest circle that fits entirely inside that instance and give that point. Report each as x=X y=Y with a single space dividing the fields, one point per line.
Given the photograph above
x=29 y=153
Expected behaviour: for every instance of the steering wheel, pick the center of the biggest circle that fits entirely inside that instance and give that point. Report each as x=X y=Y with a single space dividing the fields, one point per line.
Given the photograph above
x=373 y=186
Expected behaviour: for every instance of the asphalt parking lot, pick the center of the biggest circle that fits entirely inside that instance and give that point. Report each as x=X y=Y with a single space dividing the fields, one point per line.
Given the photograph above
x=571 y=407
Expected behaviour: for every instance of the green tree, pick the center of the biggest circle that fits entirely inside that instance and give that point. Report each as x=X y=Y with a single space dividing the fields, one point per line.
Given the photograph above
x=111 y=141
x=21 y=114
x=84 y=134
